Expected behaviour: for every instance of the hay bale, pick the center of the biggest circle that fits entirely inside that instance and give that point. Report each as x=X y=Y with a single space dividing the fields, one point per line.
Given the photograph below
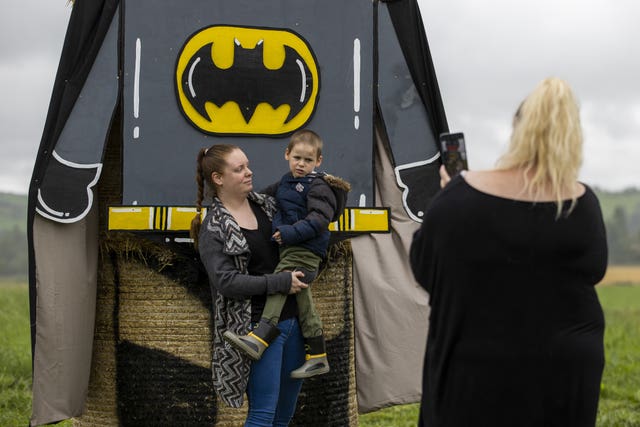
x=152 y=344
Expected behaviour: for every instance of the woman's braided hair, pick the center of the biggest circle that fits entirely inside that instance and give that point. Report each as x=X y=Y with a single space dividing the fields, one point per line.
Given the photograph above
x=209 y=160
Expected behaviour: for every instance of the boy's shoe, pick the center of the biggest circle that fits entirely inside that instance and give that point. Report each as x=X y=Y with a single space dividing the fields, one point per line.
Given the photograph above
x=255 y=342
x=316 y=359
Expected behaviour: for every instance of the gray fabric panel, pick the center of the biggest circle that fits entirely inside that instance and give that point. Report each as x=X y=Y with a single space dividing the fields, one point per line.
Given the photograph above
x=83 y=137
x=405 y=118
x=391 y=310
x=66 y=258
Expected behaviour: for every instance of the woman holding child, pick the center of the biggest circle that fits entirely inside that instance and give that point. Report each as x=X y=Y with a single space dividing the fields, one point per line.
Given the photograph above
x=235 y=246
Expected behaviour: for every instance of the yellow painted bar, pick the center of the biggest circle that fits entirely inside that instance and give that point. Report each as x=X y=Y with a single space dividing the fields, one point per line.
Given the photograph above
x=178 y=218
x=131 y=218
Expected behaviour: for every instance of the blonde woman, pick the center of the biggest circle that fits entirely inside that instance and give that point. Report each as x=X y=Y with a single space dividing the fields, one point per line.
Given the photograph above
x=510 y=258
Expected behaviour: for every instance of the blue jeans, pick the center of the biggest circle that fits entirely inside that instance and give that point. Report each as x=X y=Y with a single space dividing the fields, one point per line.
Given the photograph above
x=272 y=392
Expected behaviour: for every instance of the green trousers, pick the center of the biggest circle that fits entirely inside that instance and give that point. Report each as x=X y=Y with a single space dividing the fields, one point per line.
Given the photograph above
x=298 y=259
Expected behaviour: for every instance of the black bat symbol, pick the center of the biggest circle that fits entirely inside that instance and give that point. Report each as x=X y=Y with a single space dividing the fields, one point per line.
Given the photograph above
x=247 y=82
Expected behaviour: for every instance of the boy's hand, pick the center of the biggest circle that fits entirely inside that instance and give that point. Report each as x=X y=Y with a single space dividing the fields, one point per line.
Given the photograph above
x=277 y=237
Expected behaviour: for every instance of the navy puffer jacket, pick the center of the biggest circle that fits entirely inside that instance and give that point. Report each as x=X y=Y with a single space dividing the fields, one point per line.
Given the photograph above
x=306 y=207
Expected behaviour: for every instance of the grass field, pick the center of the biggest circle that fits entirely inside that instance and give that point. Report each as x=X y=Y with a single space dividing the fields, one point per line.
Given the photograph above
x=619 y=400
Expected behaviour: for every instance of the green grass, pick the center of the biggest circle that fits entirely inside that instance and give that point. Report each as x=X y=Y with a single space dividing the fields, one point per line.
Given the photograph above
x=620 y=390
x=619 y=400
x=15 y=355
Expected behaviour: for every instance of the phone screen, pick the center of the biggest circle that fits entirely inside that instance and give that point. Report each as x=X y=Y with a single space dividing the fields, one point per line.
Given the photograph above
x=453 y=152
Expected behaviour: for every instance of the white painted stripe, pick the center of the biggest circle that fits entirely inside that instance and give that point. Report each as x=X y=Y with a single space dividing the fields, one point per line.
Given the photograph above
x=193 y=66
x=352 y=219
x=151 y=212
x=363 y=201
x=77 y=165
x=356 y=122
x=303 y=78
x=356 y=75
x=136 y=81
x=49 y=210
x=126 y=210
x=136 y=132
x=183 y=240
x=169 y=218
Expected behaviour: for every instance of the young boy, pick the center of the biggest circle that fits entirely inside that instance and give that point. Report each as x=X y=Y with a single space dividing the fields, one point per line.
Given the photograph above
x=308 y=202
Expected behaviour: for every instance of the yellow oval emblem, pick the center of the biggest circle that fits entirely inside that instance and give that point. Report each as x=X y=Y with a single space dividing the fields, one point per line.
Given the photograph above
x=247 y=81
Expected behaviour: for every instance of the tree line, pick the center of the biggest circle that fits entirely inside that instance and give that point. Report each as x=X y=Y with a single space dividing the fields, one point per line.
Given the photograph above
x=621 y=212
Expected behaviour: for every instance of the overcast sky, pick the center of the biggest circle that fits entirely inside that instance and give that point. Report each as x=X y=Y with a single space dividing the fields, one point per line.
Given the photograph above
x=488 y=56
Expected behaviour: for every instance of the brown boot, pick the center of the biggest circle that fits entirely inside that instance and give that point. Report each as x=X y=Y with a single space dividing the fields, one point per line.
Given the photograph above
x=316 y=362
x=255 y=342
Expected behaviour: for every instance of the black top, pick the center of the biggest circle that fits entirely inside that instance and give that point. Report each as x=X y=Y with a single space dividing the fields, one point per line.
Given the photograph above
x=263 y=260
x=516 y=328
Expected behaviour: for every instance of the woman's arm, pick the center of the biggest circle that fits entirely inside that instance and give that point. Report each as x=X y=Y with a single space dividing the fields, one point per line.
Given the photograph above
x=225 y=277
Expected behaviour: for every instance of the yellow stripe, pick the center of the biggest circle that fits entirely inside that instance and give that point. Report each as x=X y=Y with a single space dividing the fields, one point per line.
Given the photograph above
x=178 y=218
x=316 y=356
x=266 y=344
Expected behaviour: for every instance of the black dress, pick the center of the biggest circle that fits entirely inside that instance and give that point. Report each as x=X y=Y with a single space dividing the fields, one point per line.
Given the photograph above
x=516 y=328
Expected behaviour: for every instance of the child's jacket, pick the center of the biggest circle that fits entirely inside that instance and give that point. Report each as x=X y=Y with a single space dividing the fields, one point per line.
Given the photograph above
x=306 y=206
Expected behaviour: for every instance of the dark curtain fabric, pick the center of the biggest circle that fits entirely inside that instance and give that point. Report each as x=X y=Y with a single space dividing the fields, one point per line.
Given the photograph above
x=409 y=28
x=88 y=25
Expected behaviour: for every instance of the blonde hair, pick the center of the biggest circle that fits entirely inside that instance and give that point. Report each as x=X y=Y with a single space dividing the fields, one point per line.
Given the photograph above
x=306 y=136
x=208 y=161
x=547 y=142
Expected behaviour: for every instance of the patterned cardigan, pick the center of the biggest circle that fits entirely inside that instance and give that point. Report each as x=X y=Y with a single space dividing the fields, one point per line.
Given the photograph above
x=230 y=368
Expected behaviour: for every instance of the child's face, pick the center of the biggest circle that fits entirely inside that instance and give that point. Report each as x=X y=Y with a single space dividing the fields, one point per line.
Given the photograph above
x=303 y=159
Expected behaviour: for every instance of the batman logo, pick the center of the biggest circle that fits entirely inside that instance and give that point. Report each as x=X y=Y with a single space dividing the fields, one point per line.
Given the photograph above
x=247 y=81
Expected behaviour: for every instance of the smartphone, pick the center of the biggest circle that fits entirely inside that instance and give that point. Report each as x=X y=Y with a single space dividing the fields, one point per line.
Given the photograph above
x=453 y=153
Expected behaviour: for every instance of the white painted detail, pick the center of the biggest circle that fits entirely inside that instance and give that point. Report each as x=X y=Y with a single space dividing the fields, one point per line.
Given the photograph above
x=136 y=132
x=136 y=80
x=363 y=200
x=63 y=217
x=183 y=240
x=57 y=214
x=126 y=210
x=356 y=75
x=405 y=189
x=356 y=122
x=303 y=78
x=190 y=81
